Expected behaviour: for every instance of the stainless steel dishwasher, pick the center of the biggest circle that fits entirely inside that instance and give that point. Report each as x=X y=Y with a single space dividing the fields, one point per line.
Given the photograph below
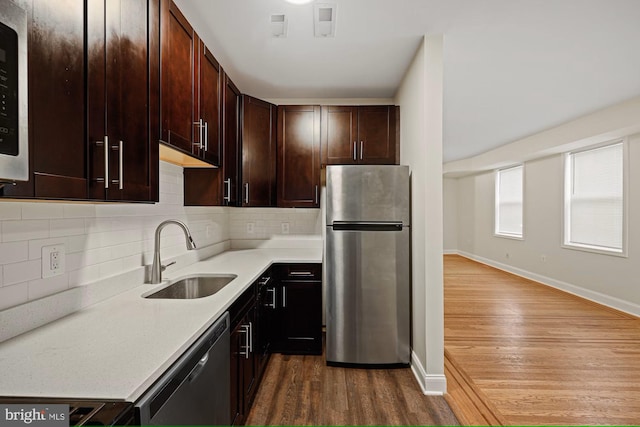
x=195 y=390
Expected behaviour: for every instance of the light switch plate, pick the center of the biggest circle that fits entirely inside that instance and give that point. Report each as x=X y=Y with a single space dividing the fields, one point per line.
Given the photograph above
x=53 y=260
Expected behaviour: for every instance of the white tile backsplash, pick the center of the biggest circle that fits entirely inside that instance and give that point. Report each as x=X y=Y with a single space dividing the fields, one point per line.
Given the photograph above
x=21 y=272
x=14 y=252
x=105 y=240
x=20 y=230
x=13 y=295
x=267 y=222
x=41 y=210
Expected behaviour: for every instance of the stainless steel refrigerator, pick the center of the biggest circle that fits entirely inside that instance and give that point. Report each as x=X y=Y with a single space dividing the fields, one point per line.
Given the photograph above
x=367 y=265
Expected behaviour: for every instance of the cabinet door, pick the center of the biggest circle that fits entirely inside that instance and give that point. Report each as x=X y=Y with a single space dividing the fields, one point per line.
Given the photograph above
x=340 y=127
x=236 y=396
x=210 y=114
x=376 y=144
x=249 y=363
x=301 y=317
x=258 y=153
x=118 y=100
x=298 y=162
x=231 y=148
x=265 y=320
x=57 y=99
x=178 y=47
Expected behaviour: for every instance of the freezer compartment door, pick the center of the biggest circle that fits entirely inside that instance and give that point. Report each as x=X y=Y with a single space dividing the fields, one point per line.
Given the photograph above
x=368 y=193
x=368 y=296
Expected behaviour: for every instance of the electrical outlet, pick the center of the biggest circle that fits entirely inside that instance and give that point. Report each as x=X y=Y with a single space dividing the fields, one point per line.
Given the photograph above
x=53 y=260
x=251 y=227
x=507 y=256
x=284 y=226
x=543 y=258
x=208 y=230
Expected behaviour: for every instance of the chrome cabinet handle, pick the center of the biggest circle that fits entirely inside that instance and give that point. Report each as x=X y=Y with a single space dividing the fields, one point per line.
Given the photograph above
x=227 y=185
x=121 y=163
x=272 y=304
x=201 y=126
x=206 y=136
x=301 y=273
x=105 y=144
x=361 y=149
x=245 y=330
x=251 y=337
x=316 y=194
x=284 y=297
x=265 y=281
x=246 y=193
x=106 y=161
x=354 y=151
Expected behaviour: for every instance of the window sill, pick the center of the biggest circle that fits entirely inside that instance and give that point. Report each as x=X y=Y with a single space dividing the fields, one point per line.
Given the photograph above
x=595 y=250
x=509 y=236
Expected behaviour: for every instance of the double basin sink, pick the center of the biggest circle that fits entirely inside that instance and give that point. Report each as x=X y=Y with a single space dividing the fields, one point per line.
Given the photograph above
x=194 y=286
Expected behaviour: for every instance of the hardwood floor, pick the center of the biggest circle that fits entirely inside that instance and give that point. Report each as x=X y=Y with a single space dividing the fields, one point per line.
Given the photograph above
x=302 y=390
x=518 y=352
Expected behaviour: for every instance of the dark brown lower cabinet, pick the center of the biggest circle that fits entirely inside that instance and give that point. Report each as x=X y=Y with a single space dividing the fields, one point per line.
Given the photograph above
x=243 y=378
x=280 y=312
x=298 y=301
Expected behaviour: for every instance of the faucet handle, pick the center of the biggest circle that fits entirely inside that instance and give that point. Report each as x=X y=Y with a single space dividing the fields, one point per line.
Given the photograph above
x=164 y=267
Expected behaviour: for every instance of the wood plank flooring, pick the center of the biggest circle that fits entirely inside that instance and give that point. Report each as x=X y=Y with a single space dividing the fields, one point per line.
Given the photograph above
x=518 y=352
x=302 y=390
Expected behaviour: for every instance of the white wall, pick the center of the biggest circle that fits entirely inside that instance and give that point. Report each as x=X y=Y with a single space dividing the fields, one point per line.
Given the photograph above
x=420 y=101
x=450 y=214
x=611 y=280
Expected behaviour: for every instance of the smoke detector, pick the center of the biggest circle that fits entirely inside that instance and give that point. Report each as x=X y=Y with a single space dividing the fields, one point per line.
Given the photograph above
x=279 y=25
x=324 y=20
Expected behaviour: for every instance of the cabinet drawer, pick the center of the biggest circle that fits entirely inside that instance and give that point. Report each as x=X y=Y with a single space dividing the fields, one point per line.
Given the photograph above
x=299 y=272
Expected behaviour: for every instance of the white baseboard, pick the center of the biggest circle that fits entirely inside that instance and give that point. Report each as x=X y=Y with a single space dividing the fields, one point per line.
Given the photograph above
x=450 y=252
x=607 y=300
x=434 y=385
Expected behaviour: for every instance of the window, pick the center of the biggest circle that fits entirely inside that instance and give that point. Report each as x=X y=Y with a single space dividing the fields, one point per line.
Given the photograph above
x=508 y=210
x=594 y=208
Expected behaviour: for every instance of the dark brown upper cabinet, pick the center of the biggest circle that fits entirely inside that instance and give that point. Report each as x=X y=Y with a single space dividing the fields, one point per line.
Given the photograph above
x=178 y=79
x=360 y=135
x=56 y=49
x=298 y=161
x=122 y=73
x=190 y=85
x=209 y=112
x=258 y=143
x=231 y=113
x=219 y=187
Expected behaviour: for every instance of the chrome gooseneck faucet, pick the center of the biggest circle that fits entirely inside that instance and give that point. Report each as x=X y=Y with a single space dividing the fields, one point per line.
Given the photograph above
x=157 y=268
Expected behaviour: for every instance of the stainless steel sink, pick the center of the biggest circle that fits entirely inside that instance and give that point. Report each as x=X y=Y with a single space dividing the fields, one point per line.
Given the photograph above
x=192 y=287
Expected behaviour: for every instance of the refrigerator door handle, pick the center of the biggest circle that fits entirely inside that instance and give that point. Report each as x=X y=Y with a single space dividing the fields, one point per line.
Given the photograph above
x=367 y=226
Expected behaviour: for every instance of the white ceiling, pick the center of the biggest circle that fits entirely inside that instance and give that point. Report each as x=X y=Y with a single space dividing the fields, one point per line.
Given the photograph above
x=512 y=68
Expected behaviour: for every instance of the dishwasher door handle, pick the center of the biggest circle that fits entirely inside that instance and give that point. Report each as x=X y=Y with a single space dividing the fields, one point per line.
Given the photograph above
x=197 y=370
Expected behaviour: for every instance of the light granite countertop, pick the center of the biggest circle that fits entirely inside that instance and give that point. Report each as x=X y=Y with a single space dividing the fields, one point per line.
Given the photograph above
x=119 y=347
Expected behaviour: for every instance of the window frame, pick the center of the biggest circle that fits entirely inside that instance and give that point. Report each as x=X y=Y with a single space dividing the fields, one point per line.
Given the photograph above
x=496 y=207
x=566 y=201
